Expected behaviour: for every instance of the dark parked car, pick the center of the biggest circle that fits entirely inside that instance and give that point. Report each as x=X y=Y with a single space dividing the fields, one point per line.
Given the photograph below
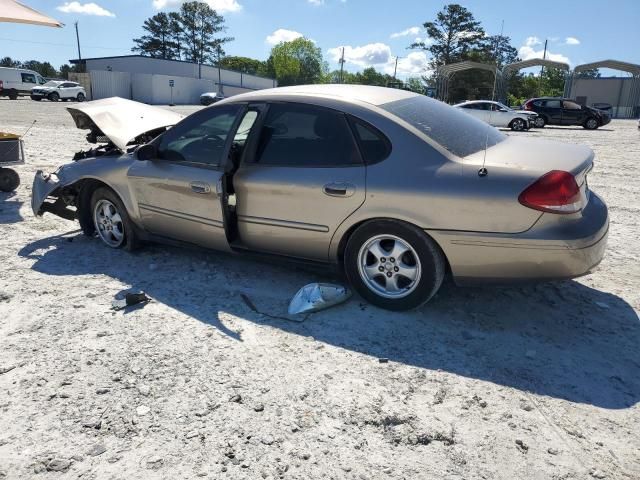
x=562 y=111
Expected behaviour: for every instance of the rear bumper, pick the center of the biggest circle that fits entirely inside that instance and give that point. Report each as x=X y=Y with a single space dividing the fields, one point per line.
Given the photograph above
x=556 y=247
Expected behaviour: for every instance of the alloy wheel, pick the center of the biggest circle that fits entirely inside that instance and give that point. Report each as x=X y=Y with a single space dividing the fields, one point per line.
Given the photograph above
x=108 y=223
x=389 y=266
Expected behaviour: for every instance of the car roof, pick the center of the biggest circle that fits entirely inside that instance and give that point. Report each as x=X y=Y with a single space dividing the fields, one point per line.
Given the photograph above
x=348 y=93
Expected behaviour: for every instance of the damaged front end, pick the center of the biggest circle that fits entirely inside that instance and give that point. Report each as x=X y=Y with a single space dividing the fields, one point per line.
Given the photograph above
x=117 y=126
x=48 y=195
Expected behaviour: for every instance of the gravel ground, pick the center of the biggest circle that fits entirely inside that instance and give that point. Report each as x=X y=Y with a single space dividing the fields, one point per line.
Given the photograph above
x=536 y=382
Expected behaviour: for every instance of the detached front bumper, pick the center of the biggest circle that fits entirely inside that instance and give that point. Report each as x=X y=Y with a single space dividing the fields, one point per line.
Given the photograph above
x=44 y=199
x=554 y=248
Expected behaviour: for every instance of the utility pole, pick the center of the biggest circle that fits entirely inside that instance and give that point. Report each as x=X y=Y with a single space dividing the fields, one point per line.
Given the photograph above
x=395 y=70
x=342 y=66
x=79 y=54
x=544 y=56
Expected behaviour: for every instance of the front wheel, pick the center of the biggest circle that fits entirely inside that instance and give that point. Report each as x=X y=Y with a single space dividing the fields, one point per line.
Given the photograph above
x=539 y=122
x=591 y=124
x=111 y=220
x=518 y=125
x=54 y=97
x=393 y=265
x=9 y=180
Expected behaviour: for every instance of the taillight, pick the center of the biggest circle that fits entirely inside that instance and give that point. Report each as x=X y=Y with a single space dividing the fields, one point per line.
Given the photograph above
x=1 y=84
x=555 y=192
x=527 y=106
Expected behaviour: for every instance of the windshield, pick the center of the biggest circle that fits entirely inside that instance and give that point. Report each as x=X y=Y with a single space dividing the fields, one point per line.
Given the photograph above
x=455 y=130
x=51 y=83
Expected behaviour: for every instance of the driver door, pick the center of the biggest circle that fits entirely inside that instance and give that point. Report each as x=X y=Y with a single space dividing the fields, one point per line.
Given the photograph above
x=178 y=194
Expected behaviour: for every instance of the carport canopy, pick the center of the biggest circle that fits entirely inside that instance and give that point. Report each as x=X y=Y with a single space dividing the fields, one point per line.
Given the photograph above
x=632 y=68
x=452 y=68
x=511 y=68
x=15 y=12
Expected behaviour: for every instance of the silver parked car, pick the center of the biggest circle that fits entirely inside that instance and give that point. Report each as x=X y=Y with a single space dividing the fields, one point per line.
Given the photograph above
x=394 y=187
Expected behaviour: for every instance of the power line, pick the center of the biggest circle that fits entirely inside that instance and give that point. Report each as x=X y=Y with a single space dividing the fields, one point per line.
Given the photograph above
x=62 y=44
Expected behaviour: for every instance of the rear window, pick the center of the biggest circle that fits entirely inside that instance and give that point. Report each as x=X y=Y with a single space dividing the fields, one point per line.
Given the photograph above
x=458 y=132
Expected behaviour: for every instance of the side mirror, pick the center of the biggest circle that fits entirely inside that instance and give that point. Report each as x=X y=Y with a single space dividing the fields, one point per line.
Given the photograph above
x=146 y=152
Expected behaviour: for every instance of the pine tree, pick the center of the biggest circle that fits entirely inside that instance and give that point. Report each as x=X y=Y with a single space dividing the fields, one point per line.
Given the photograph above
x=199 y=24
x=160 y=42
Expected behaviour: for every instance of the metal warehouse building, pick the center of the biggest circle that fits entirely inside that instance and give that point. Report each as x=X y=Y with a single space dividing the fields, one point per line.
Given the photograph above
x=159 y=81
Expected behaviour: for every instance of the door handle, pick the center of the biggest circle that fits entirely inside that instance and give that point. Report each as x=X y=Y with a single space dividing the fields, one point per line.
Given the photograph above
x=339 y=189
x=200 y=187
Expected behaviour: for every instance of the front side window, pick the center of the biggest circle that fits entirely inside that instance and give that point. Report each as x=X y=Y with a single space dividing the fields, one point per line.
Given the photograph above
x=456 y=131
x=28 y=78
x=306 y=136
x=200 y=138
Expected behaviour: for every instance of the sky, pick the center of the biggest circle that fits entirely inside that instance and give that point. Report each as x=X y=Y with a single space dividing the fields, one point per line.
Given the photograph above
x=372 y=32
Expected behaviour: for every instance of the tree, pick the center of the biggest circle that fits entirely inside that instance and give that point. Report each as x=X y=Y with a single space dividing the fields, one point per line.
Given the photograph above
x=160 y=42
x=415 y=84
x=243 y=64
x=65 y=70
x=498 y=49
x=199 y=24
x=43 y=68
x=453 y=34
x=9 y=62
x=297 y=62
x=591 y=73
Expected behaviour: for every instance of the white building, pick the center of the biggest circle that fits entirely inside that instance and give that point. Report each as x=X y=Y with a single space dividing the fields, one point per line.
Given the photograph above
x=159 y=81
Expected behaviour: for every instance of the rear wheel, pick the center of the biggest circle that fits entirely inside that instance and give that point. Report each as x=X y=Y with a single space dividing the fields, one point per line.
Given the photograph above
x=13 y=94
x=591 y=124
x=393 y=265
x=111 y=220
x=518 y=125
x=540 y=122
x=54 y=96
x=80 y=97
x=9 y=180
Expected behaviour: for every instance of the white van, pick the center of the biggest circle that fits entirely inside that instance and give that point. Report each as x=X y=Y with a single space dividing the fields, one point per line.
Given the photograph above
x=18 y=81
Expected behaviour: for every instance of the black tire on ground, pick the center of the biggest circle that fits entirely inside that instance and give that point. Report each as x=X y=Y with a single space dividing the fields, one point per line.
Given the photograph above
x=13 y=95
x=591 y=123
x=130 y=241
x=37 y=99
x=9 y=180
x=81 y=97
x=540 y=122
x=518 y=125
x=54 y=97
x=432 y=263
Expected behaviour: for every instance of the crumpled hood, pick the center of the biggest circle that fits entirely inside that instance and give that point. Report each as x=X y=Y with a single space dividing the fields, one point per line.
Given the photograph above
x=121 y=120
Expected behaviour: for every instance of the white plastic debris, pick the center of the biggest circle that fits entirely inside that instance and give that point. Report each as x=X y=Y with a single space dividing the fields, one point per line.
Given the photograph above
x=317 y=296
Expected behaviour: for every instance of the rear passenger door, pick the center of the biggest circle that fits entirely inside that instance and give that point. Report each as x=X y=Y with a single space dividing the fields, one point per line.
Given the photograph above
x=553 y=111
x=300 y=178
x=571 y=113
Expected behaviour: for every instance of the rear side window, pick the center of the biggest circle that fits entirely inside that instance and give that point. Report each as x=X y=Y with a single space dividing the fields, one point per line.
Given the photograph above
x=306 y=136
x=552 y=104
x=374 y=146
x=456 y=131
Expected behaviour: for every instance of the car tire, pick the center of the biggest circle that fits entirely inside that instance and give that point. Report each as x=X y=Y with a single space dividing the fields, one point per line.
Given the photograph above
x=81 y=97
x=54 y=97
x=9 y=180
x=518 y=125
x=591 y=123
x=111 y=220
x=13 y=95
x=386 y=279
x=540 y=122
x=37 y=99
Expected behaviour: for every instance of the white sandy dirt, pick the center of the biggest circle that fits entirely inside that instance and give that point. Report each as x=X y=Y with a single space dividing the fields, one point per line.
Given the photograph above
x=526 y=382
